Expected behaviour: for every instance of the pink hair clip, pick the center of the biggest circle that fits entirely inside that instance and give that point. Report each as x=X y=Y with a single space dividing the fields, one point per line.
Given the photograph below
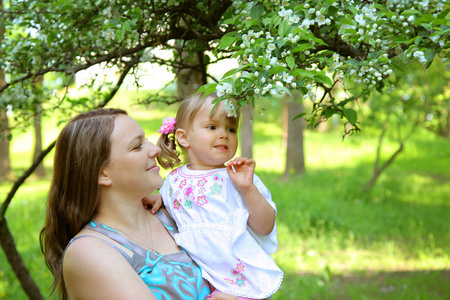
x=168 y=125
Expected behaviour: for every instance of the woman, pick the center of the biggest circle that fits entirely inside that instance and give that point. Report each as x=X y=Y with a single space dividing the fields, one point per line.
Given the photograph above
x=98 y=240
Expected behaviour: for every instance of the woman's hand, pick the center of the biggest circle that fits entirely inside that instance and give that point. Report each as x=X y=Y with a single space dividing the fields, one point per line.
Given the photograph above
x=154 y=201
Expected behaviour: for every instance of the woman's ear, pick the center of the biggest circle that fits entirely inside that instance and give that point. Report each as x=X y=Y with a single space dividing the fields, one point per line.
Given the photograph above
x=103 y=179
x=182 y=139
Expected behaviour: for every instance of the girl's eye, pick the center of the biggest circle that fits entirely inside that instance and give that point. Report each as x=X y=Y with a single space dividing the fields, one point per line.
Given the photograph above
x=212 y=127
x=232 y=130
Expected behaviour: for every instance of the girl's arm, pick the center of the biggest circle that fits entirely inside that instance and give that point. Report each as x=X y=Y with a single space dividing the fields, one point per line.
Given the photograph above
x=154 y=201
x=95 y=270
x=261 y=214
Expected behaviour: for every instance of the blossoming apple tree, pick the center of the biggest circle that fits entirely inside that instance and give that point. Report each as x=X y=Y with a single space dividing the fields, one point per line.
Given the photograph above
x=316 y=46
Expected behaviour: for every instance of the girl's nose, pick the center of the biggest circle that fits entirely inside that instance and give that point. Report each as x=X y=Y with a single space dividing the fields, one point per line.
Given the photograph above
x=223 y=134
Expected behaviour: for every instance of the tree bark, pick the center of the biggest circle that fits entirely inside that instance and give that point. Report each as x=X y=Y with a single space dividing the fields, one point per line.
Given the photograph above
x=189 y=79
x=377 y=169
x=16 y=262
x=40 y=171
x=5 y=164
x=247 y=132
x=295 y=157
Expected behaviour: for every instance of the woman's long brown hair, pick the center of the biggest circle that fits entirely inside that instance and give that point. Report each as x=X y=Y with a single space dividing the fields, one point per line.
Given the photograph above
x=82 y=150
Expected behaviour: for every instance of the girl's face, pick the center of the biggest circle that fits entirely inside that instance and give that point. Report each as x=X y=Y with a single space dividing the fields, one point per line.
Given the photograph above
x=211 y=140
x=132 y=167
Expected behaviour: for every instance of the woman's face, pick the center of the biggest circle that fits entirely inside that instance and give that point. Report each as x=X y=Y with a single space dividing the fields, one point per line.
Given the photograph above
x=132 y=167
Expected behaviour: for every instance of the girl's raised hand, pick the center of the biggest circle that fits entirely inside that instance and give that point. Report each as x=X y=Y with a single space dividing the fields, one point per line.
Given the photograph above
x=241 y=171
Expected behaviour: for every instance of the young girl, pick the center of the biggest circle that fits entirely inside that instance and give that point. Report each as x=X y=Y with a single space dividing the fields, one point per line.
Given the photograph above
x=224 y=213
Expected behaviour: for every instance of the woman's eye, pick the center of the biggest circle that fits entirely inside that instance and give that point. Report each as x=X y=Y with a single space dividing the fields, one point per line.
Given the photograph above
x=138 y=147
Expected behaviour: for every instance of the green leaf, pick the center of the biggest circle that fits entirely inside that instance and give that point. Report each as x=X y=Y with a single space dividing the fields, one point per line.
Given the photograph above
x=226 y=41
x=230 y=72
x=207 y=88
x=282 y=29
x=323 y=79
x=298 y=116
x=290 y=62
x=256 y=11
x=277 y=69
x=350 y=115
x=443 y=14
x=302 y=73
x=302 y=47
x=347 y=21
x=329 y=112
x=252 y=23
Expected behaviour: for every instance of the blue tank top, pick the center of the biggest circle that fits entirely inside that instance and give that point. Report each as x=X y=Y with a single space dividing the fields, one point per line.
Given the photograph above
x=170 y=277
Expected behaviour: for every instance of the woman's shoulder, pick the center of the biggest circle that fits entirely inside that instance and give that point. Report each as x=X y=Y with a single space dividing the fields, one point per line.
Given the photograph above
x=90 y=263
x=88 y=247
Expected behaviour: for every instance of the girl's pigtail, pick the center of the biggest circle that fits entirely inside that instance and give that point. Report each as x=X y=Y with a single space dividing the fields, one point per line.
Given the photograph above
x=169 y=156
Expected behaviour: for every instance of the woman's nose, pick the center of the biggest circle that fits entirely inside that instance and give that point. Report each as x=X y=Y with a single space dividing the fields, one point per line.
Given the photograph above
x=154 y=150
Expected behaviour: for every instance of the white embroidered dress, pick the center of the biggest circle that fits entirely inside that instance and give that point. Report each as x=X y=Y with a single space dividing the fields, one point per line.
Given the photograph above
x=212 y=221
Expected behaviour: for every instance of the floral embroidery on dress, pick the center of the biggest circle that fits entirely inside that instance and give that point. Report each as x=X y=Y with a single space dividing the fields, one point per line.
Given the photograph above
x=189 y=191
x=216 y=189
x=170 y=192
x=188 y=204
x=182 y=183
x=202 y=182
x=176 y=204
x=201 y=200
x=240 y=267
x=202 y=190
x=240 y=279
x=216 y=177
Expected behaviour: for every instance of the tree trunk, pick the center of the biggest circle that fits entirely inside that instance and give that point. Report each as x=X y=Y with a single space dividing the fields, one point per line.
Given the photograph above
x=247 y=132
x=190 y=78
x=377 y=169
x=40 y=170
x=295 y=157
x=5 y=165
x=16 y=262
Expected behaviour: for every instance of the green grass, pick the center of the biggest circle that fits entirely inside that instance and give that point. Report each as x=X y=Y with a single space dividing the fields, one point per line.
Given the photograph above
x=334 y=242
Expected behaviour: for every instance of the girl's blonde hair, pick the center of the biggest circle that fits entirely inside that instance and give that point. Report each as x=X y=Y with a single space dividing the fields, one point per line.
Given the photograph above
x=189 y=107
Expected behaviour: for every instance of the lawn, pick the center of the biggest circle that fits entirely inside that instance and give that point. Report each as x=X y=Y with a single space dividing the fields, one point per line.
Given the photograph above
x=334 y=242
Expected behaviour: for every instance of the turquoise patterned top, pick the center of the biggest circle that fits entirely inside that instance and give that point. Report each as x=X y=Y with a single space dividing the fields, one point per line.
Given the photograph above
x=172 y=276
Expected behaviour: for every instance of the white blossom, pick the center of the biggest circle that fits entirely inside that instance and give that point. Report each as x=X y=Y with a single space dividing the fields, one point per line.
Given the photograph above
x=230 y=108
x=287 y=78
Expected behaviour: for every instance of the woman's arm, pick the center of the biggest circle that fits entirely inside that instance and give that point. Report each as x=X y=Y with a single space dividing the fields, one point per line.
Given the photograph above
x=95 y=270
